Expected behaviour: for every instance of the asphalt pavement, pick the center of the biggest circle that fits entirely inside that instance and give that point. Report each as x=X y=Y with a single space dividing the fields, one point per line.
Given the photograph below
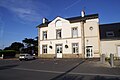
x=57 y=69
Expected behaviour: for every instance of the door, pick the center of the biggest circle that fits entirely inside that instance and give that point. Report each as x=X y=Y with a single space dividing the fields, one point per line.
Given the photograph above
x=89 y=52
x=59 y=51
x=118 y=48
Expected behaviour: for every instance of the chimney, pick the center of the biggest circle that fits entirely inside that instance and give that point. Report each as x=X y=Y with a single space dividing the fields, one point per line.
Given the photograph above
x=82 y=13
x=45 y=20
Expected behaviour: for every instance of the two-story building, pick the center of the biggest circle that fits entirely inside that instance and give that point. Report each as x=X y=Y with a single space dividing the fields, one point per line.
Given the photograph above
x=75 y=37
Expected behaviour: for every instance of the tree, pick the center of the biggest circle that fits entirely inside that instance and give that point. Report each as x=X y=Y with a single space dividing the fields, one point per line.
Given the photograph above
x=15 y=46
x=31 y=45
x=28 y=42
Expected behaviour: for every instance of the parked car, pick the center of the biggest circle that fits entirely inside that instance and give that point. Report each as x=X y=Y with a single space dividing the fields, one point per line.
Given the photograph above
x=26 y=57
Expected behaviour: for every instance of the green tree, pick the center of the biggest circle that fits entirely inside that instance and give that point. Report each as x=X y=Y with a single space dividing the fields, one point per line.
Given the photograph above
x=31 y=45
x=15 y=46
x=28 y=42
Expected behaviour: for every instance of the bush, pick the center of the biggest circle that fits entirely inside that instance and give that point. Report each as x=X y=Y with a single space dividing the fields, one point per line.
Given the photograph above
x=8 y=53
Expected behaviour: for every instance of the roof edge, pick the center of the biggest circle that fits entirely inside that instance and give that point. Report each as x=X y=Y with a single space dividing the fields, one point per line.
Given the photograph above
x=72 y=19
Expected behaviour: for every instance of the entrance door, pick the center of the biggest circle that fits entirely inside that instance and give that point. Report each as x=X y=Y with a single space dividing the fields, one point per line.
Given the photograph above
x=89 y=52
x=59 y=50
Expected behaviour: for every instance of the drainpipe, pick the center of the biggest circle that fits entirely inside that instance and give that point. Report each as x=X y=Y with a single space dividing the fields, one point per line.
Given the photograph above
x=83 y=38
x=82 y=33
x=39 y=54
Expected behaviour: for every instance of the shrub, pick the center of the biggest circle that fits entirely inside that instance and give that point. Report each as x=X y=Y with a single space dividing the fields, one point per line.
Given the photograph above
x=8 y=53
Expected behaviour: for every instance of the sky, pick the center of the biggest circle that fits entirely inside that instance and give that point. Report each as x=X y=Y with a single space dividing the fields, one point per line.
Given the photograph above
x=19 y=18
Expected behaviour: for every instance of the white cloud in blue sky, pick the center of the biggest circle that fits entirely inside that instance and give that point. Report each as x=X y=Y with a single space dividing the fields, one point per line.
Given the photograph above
x=27 y=10
x=17 y=16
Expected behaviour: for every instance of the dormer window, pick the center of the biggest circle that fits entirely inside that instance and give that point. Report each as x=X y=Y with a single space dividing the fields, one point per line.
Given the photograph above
x=110 y=34
x=58 y=23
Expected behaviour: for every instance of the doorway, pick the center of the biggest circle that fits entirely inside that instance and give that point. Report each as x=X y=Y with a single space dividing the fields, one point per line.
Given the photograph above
x=58 y=50
x=89 y=52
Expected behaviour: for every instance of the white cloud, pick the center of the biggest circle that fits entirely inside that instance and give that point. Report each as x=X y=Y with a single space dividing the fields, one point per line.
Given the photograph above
x=26 y=10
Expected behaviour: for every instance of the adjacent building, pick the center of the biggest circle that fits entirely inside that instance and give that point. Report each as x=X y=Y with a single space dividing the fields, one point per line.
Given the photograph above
x=110 y=39
x=75 y=37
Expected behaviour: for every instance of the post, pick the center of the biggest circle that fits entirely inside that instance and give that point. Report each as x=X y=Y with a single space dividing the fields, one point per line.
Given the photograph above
x=112 y=60
x=102 y=58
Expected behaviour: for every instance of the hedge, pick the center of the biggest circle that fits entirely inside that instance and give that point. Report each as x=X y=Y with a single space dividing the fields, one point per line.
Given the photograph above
x=8 y=53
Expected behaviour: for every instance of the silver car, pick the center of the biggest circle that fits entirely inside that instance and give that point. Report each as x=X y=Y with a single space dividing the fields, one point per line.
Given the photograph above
x=26 y=56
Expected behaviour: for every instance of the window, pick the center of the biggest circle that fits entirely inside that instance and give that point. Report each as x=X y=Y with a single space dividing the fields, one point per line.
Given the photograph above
x=74 y=32
x=91 y=28
x=75 y=48
x=58 y=34
x=110 y=34
x=58 y=23
x=44 y=35
x=119 y=30
x=44 y=48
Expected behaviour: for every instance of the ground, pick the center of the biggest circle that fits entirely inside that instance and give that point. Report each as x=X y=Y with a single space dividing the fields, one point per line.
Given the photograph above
x=57 y=69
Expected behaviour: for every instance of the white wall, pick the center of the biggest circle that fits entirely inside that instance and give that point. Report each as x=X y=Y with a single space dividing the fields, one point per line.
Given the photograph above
x=108 y=47
x=63 y=42
x=66 y=36
x=91 y=36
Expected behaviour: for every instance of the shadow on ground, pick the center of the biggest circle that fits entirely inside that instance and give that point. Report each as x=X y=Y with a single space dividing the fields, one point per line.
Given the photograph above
x=7 y=67
x=79 y=77
x=103 y=78
x=61 y=75
x=67 y=76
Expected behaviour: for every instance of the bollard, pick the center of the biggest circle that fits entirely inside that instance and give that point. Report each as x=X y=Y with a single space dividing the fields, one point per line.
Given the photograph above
x=112 y=60
x=102 y=58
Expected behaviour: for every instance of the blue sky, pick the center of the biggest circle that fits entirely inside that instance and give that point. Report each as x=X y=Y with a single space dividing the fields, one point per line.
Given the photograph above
x=19 y=18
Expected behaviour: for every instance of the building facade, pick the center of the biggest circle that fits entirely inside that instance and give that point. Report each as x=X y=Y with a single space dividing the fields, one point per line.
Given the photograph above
x=110 y=39
x=75 y=37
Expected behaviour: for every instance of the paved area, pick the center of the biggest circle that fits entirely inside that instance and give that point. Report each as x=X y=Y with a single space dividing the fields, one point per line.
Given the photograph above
x=57 y=69
x=117 y=63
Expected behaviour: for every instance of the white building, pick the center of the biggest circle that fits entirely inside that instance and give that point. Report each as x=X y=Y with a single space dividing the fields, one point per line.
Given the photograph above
x=75 y=37
x=110 y=39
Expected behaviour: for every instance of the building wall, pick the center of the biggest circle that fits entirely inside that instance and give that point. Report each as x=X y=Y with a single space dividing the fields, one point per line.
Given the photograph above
x=66 y=36
x=91 y=38
x=63 y=42
x=110 y=46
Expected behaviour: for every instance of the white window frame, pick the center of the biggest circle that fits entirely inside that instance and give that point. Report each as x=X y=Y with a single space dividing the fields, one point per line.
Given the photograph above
x=109 y=33
x=44 y=49
x=44 y=35
x=58 y=34
x=74 y=32
x=75 y=45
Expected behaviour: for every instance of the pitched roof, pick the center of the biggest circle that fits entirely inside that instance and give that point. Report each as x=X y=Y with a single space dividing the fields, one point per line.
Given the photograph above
x=73 y=19
x=79 y=18
x=112 y=27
